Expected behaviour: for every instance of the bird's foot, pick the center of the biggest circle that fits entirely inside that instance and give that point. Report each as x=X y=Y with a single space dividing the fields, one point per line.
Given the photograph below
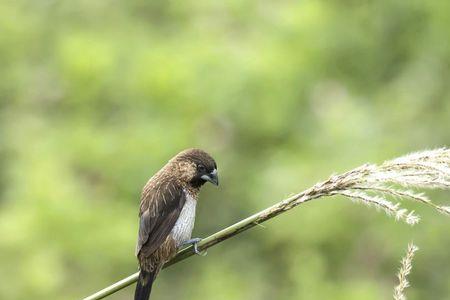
x=194 y=242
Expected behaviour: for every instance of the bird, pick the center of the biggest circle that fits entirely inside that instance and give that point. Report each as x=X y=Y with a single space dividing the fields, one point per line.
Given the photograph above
x=167 y=213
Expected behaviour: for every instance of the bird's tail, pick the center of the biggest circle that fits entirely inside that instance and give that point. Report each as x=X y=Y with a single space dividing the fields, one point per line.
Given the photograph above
x=144 y=285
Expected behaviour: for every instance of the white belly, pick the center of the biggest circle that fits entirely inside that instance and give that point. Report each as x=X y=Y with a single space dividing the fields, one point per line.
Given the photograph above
x=182 y=230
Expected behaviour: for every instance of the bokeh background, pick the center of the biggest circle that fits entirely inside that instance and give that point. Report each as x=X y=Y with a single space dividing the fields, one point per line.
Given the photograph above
x=95 y=96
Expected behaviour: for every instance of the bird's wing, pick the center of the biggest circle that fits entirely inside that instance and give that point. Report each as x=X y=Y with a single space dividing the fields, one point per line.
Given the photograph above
x=160 y=209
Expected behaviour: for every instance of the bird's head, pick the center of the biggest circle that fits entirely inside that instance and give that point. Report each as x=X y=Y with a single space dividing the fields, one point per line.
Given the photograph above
x=196 y=167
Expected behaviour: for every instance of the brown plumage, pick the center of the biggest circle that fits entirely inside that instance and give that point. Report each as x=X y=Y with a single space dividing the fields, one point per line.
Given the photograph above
x=167 y=212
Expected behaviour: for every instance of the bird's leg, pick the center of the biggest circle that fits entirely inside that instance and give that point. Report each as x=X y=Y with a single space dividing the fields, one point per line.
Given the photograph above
x=194 y=242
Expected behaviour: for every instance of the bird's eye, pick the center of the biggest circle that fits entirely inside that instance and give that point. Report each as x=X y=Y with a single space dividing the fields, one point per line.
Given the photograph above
x=201 y=168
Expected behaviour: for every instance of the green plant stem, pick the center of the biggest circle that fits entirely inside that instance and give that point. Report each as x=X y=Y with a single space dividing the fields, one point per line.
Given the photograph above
x=421 y=169
x=218 y=237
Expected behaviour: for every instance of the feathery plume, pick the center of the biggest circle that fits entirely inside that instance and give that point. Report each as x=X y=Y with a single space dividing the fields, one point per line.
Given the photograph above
x=405 y=269
x=379 y=185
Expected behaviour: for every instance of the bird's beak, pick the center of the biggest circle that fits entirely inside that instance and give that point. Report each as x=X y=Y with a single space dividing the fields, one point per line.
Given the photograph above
x=211 y=177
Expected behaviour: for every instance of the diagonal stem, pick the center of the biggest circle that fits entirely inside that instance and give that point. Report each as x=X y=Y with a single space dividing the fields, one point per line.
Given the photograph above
x=366 y=177
x=216 y=238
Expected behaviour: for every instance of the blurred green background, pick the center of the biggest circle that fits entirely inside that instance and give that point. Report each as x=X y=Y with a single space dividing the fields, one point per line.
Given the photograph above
x=95 y=96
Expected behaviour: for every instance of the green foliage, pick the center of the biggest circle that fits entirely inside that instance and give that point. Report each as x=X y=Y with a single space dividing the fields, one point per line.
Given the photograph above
x=96 y=95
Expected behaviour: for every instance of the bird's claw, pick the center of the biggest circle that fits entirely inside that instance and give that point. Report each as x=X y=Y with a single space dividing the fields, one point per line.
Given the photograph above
x=194 y=242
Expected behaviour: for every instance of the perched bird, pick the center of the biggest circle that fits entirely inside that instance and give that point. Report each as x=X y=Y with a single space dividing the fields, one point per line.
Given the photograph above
x=167 y=213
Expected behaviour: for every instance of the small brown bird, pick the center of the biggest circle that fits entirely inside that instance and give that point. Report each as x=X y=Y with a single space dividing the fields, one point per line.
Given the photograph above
x=167 y=213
